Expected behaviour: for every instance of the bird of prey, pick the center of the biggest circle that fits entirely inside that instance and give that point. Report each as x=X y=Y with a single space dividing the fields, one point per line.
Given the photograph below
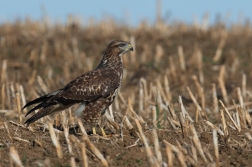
x=94 y=90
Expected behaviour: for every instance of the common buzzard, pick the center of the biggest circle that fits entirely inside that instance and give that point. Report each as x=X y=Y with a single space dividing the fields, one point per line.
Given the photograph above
x=94 y=90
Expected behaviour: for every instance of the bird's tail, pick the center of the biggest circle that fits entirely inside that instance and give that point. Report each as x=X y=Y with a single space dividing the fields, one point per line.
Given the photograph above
x=45 y=106
x=41 y=99
x=43 y=112
x=46 y=109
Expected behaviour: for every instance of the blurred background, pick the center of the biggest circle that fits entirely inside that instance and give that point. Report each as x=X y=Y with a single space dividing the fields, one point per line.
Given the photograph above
x=130 y=12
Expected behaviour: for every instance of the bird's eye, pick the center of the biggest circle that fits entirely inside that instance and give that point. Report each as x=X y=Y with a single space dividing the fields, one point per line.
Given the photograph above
x=122 y=45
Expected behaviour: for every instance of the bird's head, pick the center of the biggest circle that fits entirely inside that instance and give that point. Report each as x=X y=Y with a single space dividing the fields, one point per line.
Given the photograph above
x=113 y=53
x=119 y=47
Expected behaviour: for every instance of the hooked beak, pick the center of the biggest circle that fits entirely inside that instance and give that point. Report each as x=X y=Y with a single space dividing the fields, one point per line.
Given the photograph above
x=130 y=47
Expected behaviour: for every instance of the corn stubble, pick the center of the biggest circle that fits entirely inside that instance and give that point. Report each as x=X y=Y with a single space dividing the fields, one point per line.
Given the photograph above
x=185 y=112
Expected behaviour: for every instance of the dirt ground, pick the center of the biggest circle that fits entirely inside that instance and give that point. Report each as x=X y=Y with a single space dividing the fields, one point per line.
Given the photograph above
x=37 y=58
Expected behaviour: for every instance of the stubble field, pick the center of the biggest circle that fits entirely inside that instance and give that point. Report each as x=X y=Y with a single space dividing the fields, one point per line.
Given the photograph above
x=185 y=100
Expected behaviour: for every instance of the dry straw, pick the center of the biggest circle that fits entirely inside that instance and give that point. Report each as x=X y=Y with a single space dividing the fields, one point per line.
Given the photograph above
x=239 y=94
x=200 y=92
x=14 y=157
x=72 y=162
x=84 y=154
x=200 y=65
x=3 y=96
x=22 y=126
x=169 y=154
x=18 y=105
x=195 y=101
x=242 y=115
x=222 y=84
x=230 y=117
x=21 y=140
x=156 y=146
x=23 y=100
x=218 y=53
x=81 y=127
x=112 y=121
x=133 y=54
x=89 y=145
x=223 y=122
x=172 y=69
x=181 y=58
x=183 y=110
x=131 y=108
x=244 y=85
x=66 y=133
x=141 y=97
x=95 y=151
x=216 y=148
x=215 y=99
x=7 y=129
x=179 y=154
x=4 y=71
x=167 y=88
x=127 y=122
x=215 y=128
x=151 y=158
x=197 y=143
x=55 y=140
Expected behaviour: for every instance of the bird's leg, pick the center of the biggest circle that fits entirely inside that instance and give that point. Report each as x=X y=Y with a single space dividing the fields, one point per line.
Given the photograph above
x=94 y=131
x=103 y=132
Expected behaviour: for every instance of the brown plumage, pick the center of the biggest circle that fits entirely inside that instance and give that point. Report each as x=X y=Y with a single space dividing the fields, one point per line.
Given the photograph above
x=94 y=90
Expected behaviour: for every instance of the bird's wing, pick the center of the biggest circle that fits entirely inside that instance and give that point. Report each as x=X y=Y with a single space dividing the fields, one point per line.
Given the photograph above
x=91 y=85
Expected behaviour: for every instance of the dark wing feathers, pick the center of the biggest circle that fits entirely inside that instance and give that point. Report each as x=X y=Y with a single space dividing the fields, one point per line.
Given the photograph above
x=41 y=99
x=92 y=85
x=45 y=111
x=35 y=108
x=87 y=87
x=38 y=100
